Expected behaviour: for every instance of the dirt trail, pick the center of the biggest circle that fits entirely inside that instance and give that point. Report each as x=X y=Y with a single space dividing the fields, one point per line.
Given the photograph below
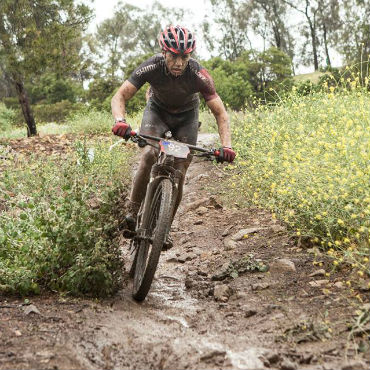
x=213 y=304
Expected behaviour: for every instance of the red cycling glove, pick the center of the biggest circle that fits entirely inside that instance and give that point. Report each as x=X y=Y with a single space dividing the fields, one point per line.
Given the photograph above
x=123 y=129
x=226 y=155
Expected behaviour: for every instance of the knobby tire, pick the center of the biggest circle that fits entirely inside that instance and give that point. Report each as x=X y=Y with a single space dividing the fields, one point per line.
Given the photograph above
x=158 y=224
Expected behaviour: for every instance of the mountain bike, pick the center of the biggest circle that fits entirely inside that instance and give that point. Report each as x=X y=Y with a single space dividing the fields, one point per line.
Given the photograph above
x=155 y=215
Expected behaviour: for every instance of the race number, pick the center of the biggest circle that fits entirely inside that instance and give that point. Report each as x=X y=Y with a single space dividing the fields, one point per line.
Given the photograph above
x=178 y=150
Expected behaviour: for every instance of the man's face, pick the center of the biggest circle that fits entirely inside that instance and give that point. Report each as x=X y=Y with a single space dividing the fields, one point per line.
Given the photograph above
x=176 y=63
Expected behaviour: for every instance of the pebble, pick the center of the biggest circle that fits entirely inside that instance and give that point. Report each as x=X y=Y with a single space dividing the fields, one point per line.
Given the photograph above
x=230 y=244
x=31 y=309
x=288 y=365
x=222 y=292
x=260 y=286
x=320 y=272
x=240 y=234
x=318 y=283
x=339 y=285
x=282 y=265
x=201 y=211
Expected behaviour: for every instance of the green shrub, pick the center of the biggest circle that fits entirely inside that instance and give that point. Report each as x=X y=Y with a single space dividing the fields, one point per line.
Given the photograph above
x=59 y=221
x=57 y=112
x=49 y=89
x=11 y=102
x=7 y=117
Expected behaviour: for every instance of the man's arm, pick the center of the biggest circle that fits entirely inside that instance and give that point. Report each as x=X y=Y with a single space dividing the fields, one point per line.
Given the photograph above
x=118 y=103
x=218 y=109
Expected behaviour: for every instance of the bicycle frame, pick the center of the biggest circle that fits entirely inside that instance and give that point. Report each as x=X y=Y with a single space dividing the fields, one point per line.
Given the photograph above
x=162 y=169
x=157 y=210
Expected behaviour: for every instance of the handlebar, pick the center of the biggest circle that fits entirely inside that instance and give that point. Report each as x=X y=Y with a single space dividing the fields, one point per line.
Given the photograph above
x=136 y=137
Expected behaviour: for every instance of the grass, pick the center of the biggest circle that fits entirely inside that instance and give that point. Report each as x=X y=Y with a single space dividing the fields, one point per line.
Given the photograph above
x=84 y=122
x=308 y=161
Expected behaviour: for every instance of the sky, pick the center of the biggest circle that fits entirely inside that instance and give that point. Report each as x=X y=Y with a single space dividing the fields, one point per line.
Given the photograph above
x=198 y=10
x=104 y=8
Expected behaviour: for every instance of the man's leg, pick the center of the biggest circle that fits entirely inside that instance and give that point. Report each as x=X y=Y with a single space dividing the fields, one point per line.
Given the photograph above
x=181 y=165
x=187 y=132
x=151 y=125
x=141 y=178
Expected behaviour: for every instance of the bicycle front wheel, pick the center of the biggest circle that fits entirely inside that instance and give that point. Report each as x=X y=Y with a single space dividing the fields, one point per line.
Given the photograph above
x=157 y=225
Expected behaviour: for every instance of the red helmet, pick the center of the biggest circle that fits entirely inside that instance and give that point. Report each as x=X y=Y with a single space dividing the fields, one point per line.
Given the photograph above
x=177 y=40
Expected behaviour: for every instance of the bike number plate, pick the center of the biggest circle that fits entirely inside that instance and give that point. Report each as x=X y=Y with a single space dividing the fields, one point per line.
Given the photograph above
x=174 y=148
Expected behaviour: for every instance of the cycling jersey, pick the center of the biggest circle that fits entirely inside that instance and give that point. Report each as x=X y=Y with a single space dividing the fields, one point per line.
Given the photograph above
x=174 y=93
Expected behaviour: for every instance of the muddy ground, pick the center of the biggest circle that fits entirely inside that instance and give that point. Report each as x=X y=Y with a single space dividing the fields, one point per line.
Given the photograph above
x=237 y=291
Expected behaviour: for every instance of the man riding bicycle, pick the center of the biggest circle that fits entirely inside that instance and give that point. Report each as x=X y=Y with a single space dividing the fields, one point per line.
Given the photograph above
x=173 y=104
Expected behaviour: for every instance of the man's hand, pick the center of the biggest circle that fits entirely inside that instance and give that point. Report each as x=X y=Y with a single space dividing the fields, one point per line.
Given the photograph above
x=226 y=155
x=121 y=128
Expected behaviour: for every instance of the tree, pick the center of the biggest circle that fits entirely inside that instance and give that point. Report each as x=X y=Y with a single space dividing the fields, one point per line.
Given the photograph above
x=114 y=36
x=269 y=19
x=310 y=10
x=231 y=18
x=353 y=38
x=322 y=23
x=250 y=75
x=131 y=33
x=36 y=35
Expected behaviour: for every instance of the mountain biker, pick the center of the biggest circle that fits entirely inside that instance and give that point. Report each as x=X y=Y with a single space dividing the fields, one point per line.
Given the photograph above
x=173 y=104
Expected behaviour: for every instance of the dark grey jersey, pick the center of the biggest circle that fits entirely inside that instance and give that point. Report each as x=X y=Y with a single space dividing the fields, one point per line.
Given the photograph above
x=174 y=93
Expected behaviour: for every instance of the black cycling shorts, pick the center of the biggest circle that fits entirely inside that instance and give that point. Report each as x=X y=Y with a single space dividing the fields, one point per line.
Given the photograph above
x=183 y=126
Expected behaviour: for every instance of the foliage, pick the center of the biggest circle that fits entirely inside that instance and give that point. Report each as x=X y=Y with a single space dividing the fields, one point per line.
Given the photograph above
x=353 y=38
x=59 y=220
x=38 y=36
x=91 y=122
x=307 y=160
x=250 y=76
x=100 y=89
x=230 y=85
x=130 y=33
x=7 y=117
x=51 y=89
x=270 y=21
x=57 y=112
x=32 y=38
x=231 y=18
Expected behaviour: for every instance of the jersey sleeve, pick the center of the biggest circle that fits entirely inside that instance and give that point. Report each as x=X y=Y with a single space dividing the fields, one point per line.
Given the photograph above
x=143 y=72
x=206 y=85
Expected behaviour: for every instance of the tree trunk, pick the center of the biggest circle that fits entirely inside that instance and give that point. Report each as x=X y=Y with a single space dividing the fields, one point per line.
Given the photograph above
x=314 y=50
x=26 y=108
x=328 y=62
x=313 y=41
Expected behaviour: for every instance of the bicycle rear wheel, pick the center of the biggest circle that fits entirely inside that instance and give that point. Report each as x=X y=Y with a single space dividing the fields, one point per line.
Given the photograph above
x=157 y=224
